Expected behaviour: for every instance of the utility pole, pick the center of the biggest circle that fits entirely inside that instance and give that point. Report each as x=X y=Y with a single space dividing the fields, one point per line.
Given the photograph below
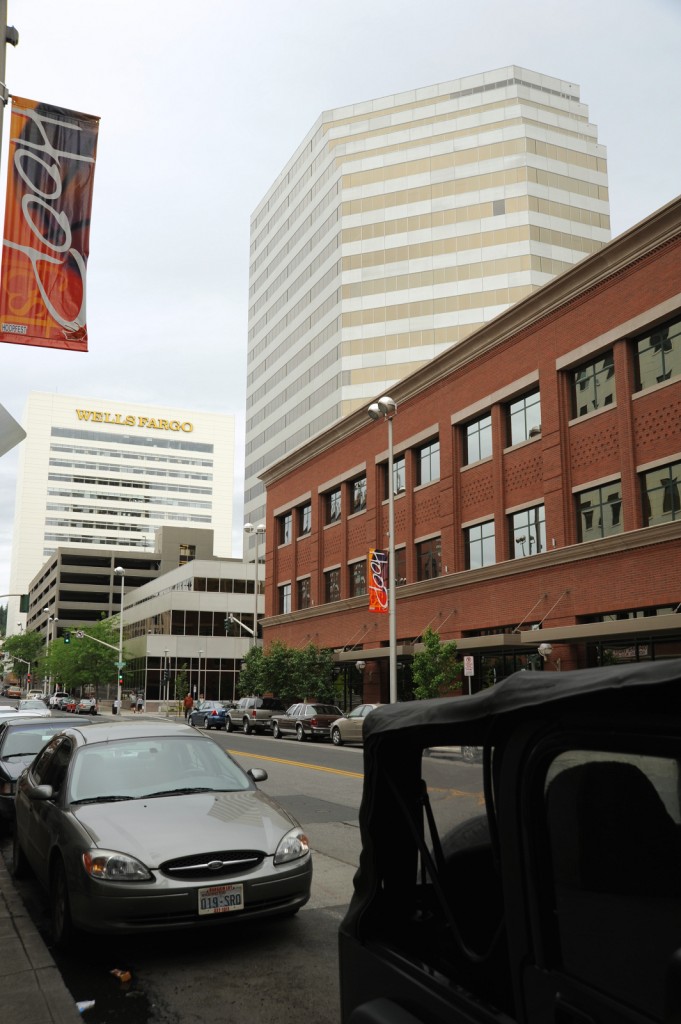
x=11 y=36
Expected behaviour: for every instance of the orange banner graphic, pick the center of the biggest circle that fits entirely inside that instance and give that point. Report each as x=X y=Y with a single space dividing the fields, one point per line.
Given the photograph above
x=378 y=581
x=46 y=239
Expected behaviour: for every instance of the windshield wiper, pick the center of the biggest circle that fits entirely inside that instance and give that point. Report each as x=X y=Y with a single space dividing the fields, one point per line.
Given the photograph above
x=101 y=799
x=179 y=792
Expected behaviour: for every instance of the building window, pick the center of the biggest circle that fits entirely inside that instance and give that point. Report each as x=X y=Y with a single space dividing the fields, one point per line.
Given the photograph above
x=480 y=546
x=429 y=559
x=658 y=355
x=528 y=532
x=358 y=578
x=661 y=498
x=428 y=462
x=187 y=553
x=332 y=585
x=478 y=440
x=524 y=418
x=304 y=593
x=399 y=478
x=593 y=385
x=285 y=599
x=304 y=520
x=400 y=567
x=358 y=494
x=600 y=511
x=285 y=524
x=333 y=506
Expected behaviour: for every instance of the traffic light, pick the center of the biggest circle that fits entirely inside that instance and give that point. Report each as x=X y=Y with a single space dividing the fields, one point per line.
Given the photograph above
x=67 y=636
x=230 y=626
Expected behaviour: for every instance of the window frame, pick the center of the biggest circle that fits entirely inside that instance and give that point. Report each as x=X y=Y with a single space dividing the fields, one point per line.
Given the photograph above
x=590 y=373
x=428 y=551
x=285 y=528
x=481 y=543
x=428 y=462
x=305 y=519
x=357 y=494
x=524 y=410
x=526 y=530
x=333 y=504
x=481 y=429
x=605 y=501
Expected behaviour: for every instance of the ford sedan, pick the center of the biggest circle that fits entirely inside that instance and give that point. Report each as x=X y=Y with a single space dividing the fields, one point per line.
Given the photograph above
x=136 y=828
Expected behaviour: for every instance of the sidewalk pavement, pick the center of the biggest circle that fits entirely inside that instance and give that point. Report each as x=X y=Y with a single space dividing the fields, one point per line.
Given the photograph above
x=33 y=991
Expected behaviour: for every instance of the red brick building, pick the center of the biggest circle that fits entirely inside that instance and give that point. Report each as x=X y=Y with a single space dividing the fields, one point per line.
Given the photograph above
x=537 y=488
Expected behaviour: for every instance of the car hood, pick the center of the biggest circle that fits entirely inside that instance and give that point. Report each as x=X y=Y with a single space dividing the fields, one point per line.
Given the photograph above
x=157 y=829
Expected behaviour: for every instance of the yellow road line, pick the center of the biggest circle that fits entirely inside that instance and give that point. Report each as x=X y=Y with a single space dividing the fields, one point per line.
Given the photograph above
x=297 y=764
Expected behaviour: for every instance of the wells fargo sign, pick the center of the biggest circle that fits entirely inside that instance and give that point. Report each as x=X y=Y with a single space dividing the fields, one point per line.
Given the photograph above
x=117 y=419
x=47 y=226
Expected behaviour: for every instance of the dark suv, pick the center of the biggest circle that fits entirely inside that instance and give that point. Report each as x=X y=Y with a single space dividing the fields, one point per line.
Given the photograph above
x=253 y=714
x=562 y=902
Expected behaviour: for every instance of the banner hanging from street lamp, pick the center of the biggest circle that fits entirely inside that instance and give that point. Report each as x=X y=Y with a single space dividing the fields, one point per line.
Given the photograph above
x=378 y=581
x=46 y=240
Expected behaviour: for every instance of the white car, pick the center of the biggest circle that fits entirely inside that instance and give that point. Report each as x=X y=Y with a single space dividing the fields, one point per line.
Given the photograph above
x=34 y=707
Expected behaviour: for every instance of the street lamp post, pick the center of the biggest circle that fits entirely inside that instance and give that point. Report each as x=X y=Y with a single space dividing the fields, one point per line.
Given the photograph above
x=258 y=530
x=51 y=636
x=385 y=408
x=198 y=684
x=120 y=572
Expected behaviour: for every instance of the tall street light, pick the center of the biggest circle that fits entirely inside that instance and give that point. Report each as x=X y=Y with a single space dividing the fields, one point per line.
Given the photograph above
x=385 y=409
x=120 y=571
x=258 y=530
x=51 y=636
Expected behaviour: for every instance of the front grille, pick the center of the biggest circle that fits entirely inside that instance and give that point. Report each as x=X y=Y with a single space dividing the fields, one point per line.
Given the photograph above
x=211 y=866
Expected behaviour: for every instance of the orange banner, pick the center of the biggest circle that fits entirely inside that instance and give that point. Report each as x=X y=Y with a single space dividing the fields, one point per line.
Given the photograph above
x=378 y=581
x=45 y=246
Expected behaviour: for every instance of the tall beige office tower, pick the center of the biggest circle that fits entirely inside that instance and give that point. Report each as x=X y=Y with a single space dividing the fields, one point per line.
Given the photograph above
x=397 y=228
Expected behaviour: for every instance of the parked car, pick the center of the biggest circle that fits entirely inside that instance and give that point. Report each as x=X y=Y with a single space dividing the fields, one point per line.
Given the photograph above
x=21 y=738
x=150 y=826
x=209 y=714
x=36 y=695
x=56 y=697
x=68 y=704
x=253 y=714
x=563 y=895
x=34 y=705
x=87 y=706
x=305 y=721
x=13 y=691
x=350 y=728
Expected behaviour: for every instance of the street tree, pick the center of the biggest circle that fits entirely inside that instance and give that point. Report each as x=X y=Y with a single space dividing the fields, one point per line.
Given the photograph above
x=29 y=646
x=436 y=670
x=85 y=663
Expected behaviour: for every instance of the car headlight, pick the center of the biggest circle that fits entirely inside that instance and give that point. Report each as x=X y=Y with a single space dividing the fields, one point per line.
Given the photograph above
x=293 y=846
x=115 y=867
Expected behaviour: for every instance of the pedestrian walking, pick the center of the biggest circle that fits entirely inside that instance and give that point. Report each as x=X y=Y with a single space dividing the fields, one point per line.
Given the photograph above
x=188 y=704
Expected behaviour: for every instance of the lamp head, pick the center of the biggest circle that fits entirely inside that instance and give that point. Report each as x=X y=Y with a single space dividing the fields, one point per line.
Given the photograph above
x=119 y=570
x=545 y=650
x=384 y=408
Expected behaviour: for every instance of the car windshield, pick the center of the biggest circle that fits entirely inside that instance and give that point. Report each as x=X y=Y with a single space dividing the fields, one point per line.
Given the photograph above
x=26 y=704
x=143 y=767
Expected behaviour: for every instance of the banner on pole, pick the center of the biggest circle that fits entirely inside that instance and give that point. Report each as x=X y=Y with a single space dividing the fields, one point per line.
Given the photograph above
x=45 y=247
x=378 y=581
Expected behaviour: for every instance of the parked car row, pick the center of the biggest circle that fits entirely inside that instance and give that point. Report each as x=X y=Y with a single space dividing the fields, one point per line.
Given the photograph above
x=313 y=721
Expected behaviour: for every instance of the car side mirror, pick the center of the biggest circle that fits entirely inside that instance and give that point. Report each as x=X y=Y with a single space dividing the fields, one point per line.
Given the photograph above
x=257 y=774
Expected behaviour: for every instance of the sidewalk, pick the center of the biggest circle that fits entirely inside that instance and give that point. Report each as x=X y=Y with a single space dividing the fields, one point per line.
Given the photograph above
x=33 y=991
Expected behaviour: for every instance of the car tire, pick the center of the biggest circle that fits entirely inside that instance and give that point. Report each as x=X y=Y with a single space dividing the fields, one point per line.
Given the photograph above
x=336 y=738
x=20 y=867
x=300 y=733
x=60 y=907
x=276 y=731
x=206 y=726
x=247 y=727
x=229 y=725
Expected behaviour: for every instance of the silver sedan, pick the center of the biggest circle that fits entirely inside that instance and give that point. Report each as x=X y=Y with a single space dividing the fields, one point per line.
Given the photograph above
x=350 y=728
x=143 y=827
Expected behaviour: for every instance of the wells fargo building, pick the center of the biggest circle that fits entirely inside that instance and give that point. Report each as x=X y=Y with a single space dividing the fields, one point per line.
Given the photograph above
x=96 y=474
x=537 y=467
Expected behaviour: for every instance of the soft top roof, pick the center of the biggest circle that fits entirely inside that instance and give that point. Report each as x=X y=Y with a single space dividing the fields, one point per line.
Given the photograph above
x=520 y=691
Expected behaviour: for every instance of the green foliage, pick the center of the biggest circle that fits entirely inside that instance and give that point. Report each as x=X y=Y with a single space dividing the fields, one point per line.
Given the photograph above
x=435 y=669
x=182 y=682
x=3 y=620
x=28 y=646
x=84 y=662
x=289 y=673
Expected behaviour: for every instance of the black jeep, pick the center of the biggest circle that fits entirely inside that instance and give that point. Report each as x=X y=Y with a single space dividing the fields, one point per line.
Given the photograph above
x=561 y=904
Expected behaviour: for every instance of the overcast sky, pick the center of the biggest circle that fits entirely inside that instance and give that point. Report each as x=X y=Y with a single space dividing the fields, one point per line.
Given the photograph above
x=202 y=104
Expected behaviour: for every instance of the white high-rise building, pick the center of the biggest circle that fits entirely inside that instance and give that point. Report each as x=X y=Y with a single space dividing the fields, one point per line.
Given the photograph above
x=398 y=227
x=109 y=474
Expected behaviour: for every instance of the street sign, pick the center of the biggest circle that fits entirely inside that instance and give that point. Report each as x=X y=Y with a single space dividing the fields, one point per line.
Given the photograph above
x=120 y=664
x=80 y=634
x=468 y=665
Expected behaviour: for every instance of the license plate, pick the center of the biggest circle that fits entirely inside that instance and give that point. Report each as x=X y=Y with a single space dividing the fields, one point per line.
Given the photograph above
x=221 y=899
